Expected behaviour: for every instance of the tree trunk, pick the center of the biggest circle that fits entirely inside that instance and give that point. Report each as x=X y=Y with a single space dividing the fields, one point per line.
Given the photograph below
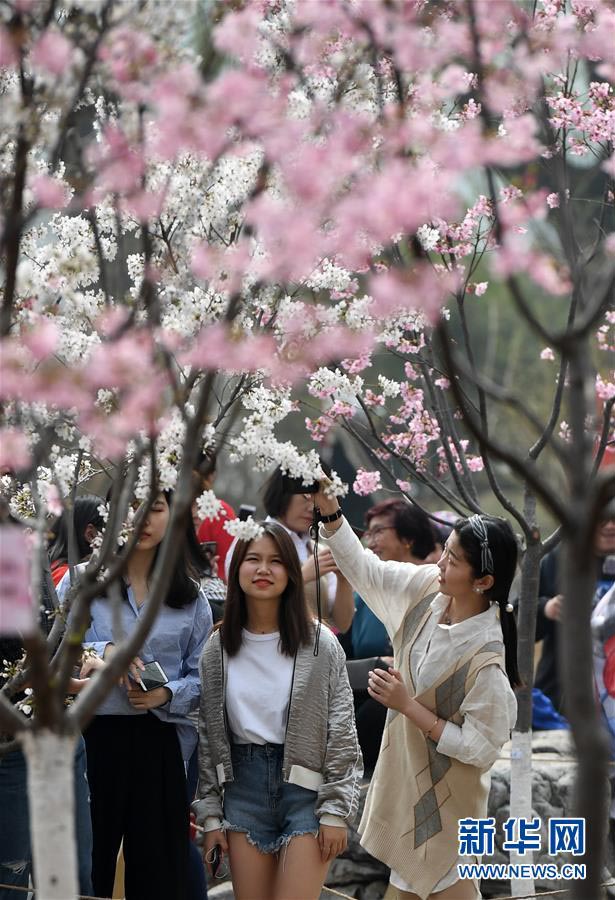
x=51 y=801
x=591 y=787
x=521 y=752
x=576 y=653
x=521 y=801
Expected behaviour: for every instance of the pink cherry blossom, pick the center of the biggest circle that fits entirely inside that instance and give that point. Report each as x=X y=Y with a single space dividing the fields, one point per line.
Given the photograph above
x=547 y=354
x=8 y=52
x=120 y=364
x=52 y=53
x=217 y=348
x=518 y=144
x=131 y=56
x=354 y=366
x=119 y=164
x=15 y=453
x=605 y=390
x=238 y=32
x=423 y=288
x=609 y=166
x=223 y=268
x=53 y=500
x=41 y=339
x=366 y=483
x=50 y=193
x=144 y=205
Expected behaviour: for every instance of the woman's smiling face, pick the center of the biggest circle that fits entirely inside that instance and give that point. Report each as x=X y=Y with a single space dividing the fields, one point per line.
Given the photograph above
x=262 y=574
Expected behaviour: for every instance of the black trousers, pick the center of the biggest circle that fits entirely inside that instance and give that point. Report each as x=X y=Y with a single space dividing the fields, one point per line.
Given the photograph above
x=370 y=718
x=138 y=793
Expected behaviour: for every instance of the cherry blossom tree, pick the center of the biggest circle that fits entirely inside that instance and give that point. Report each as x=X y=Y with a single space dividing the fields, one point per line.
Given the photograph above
x=188 y=238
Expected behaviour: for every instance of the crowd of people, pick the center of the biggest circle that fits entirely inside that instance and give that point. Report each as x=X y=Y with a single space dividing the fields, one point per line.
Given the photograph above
x=244 y=705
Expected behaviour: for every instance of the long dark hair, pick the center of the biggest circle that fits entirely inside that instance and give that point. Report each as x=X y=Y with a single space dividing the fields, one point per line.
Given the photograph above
x=293 y=618
x=190 y=565
x=85 y=512
x=410 y=523
x=503 y=547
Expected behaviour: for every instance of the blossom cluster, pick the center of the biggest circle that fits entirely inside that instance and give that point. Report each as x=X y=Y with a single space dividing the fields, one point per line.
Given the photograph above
x=278 y=222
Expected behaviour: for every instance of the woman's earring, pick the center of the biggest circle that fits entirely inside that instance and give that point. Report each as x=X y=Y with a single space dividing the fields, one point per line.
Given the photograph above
x=509 y=607
x=478 y=590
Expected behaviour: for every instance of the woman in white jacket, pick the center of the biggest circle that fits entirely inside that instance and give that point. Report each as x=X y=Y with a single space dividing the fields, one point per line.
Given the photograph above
x=449 y=695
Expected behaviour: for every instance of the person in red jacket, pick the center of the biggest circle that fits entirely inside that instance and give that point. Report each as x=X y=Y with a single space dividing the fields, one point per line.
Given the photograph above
x=213 y=529
x=87 y=522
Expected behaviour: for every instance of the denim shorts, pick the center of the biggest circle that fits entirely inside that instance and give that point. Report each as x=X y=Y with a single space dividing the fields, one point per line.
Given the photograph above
x=263 y=806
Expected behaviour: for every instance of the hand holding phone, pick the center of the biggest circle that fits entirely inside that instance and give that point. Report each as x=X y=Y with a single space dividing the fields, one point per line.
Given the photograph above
x=216 y=859
x=152 y=676
x=215 y=847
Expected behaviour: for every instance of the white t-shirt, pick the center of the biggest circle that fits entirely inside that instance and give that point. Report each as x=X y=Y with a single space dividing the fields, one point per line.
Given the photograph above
x=258 y=685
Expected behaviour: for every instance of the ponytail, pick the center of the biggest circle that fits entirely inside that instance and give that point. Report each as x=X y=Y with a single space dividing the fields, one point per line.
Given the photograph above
x=509 y=634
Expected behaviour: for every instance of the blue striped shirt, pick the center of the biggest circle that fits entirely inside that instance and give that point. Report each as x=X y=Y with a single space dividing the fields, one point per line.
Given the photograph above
x=176 y=641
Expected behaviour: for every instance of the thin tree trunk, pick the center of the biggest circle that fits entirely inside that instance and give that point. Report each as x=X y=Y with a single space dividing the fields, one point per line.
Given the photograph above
x=521 y=801
x=591 y=786
x=576 y=656
x=521 y=752
x=51 y=801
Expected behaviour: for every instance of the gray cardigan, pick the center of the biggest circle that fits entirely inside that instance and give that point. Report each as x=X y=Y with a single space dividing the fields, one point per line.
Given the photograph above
x=321 y=750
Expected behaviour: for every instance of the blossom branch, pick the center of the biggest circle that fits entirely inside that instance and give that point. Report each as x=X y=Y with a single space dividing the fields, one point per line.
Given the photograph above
x=438 y=488
x=448 y=431
x=605 y=433
x=488 y=443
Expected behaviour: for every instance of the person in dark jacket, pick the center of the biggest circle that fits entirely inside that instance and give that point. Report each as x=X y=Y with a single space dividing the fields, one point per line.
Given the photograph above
x=550 y=606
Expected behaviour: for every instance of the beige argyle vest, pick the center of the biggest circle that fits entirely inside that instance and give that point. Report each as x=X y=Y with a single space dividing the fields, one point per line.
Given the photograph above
x=417 y=795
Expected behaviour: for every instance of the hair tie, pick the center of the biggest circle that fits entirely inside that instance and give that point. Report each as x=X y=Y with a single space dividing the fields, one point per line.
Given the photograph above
x=480 y=533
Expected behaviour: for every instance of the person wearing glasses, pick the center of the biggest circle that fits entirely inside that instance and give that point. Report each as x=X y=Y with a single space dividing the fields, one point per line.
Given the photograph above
x=398 y=531
x=449 y=694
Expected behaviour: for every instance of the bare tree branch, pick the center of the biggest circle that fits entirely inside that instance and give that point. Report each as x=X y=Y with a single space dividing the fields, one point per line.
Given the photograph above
x=11 y=720
x=448 y=430
x=603 y=442
x=549 y=497
x=437 y=487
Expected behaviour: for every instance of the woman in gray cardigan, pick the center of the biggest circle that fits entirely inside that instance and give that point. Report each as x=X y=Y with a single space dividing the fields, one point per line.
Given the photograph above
x=279 y=760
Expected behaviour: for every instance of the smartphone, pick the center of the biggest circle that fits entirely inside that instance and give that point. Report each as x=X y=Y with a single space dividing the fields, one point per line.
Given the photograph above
x=245 y=511
x=153 y=676
x=216 y=859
